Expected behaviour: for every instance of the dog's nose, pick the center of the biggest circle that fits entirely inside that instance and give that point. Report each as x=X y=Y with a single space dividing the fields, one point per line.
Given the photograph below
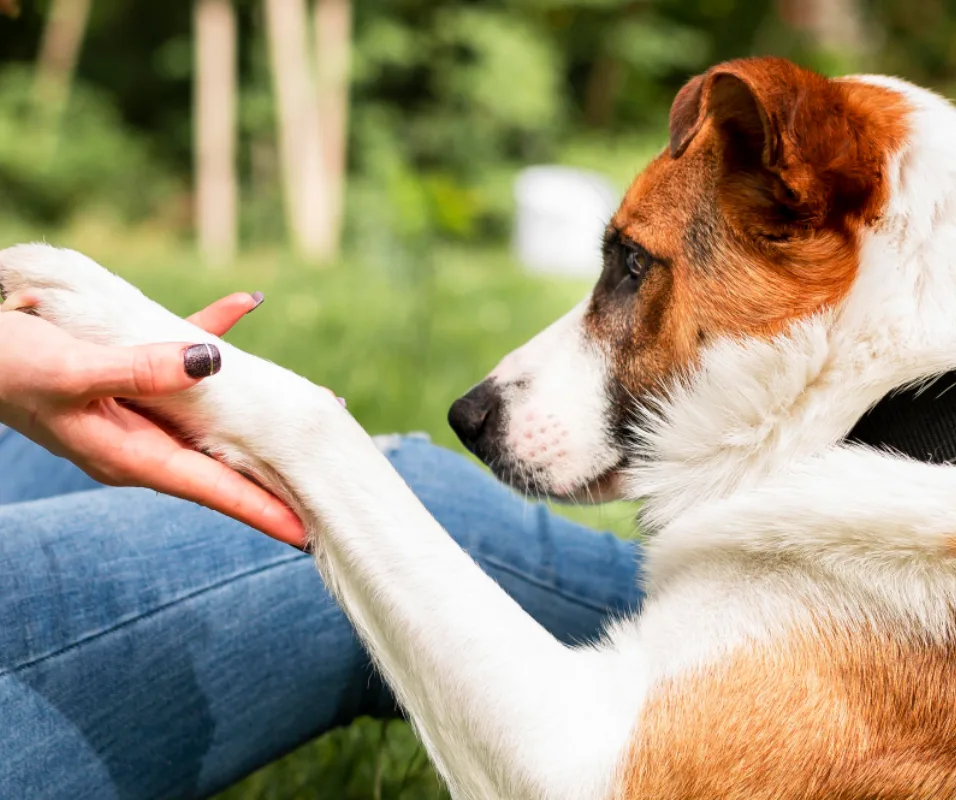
x=473 y=414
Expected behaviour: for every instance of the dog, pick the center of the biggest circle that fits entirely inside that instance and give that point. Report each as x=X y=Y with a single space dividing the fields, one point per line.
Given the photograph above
x=781 y=267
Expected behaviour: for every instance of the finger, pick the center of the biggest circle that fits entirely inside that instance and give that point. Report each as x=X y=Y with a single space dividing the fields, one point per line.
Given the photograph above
x=144 y=371
x=219 y=317
x=18 y=301
x=123 y=448
x=201 y=479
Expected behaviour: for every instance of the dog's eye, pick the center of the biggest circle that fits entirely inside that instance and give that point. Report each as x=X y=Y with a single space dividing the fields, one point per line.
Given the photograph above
x=637 y=261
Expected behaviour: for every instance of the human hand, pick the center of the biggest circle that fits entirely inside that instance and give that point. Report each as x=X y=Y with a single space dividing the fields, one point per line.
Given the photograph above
x=61 y=392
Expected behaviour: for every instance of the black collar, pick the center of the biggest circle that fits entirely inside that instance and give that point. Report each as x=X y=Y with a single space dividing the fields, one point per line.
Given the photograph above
x=919 y=423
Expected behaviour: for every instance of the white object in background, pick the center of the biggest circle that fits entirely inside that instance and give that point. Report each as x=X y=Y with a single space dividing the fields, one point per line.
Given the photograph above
x=561 y=216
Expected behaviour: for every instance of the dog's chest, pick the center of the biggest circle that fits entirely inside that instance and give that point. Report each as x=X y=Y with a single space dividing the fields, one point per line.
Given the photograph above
x=833 y=713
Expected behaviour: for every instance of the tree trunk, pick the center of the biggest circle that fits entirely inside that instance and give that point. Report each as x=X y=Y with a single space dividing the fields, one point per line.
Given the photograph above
x=604 y=84
x=333 y=38
x=834 y=25
x=300 y=151
x=59 y=52
x=214 y=128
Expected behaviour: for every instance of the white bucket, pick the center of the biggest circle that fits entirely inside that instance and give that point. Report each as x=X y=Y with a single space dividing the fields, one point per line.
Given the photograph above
x=561 y=216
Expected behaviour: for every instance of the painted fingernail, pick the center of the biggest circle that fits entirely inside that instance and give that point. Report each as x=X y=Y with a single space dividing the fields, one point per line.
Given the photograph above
x=202 y=360
x=259 y=297
x=342 y=402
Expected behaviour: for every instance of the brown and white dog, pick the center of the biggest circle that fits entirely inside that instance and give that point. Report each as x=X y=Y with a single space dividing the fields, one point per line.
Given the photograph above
x=788 y=261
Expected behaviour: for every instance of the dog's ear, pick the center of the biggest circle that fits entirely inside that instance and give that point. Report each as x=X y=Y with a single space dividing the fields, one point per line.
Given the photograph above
x=773 y=117
x=687 y=115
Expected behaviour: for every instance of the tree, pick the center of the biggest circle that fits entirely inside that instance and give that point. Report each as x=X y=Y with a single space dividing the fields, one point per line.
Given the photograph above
x=300 y=150
x=59 y=52
x=333 y=35
x=214 y=128
x=833 y=25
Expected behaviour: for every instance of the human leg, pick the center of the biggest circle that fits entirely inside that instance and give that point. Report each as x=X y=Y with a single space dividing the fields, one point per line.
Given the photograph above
x=151 y=648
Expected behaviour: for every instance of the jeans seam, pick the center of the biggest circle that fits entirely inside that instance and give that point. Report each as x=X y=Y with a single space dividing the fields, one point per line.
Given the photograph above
x=572 y=598
x=489 y=560
x=92 y=637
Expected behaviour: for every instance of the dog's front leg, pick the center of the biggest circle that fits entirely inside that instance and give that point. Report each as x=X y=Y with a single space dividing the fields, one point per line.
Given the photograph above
x=505 y=710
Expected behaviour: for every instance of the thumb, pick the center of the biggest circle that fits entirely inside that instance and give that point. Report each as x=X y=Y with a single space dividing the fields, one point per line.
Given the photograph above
x=149 y=369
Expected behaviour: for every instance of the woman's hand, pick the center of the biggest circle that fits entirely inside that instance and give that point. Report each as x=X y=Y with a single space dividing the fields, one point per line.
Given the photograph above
x=59 y=391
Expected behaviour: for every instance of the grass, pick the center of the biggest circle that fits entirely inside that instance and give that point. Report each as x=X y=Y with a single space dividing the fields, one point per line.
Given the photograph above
x=400 y=335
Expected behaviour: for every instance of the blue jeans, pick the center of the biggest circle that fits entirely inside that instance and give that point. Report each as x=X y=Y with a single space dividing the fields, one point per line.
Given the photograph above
x=152 y=648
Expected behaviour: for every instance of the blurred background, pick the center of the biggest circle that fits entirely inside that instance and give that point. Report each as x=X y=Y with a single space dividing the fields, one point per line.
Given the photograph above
x=365 y=163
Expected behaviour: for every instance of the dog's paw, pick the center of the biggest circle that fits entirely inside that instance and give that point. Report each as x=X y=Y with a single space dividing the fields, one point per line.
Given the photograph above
x=77 y=294
x=252 y=414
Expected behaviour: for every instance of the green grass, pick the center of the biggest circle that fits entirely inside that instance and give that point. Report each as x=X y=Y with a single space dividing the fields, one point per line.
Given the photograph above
x=400 y=336
x=370 y=760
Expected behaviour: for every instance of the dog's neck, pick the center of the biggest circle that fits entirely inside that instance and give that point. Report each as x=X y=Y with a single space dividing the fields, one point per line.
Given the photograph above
x=757 y=409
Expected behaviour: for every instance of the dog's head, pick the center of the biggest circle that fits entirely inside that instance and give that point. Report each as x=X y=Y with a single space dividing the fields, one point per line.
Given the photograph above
x=749 y=220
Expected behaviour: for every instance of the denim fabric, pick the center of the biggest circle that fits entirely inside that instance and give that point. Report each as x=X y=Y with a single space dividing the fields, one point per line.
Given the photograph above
x=152 y=648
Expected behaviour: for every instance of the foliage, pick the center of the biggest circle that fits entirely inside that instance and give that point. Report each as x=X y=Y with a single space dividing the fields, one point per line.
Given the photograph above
x=368 y=760
x=917 y=40
x=450 y=97
x=449 y=100
x=51 y=168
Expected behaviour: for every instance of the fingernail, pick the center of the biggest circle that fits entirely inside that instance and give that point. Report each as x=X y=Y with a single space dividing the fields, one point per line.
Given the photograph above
x=342 y=402
x=259 y=297
x=202 y=360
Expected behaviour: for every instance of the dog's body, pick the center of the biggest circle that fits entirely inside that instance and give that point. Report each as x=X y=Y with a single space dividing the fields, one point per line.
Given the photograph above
x=788 y=263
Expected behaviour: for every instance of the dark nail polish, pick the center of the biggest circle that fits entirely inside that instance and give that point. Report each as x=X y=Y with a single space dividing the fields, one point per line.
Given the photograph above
x=202 y=360
x=259 y=297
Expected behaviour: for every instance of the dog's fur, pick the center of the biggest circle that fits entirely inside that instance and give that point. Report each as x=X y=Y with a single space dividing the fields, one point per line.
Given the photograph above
x=792 y=260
